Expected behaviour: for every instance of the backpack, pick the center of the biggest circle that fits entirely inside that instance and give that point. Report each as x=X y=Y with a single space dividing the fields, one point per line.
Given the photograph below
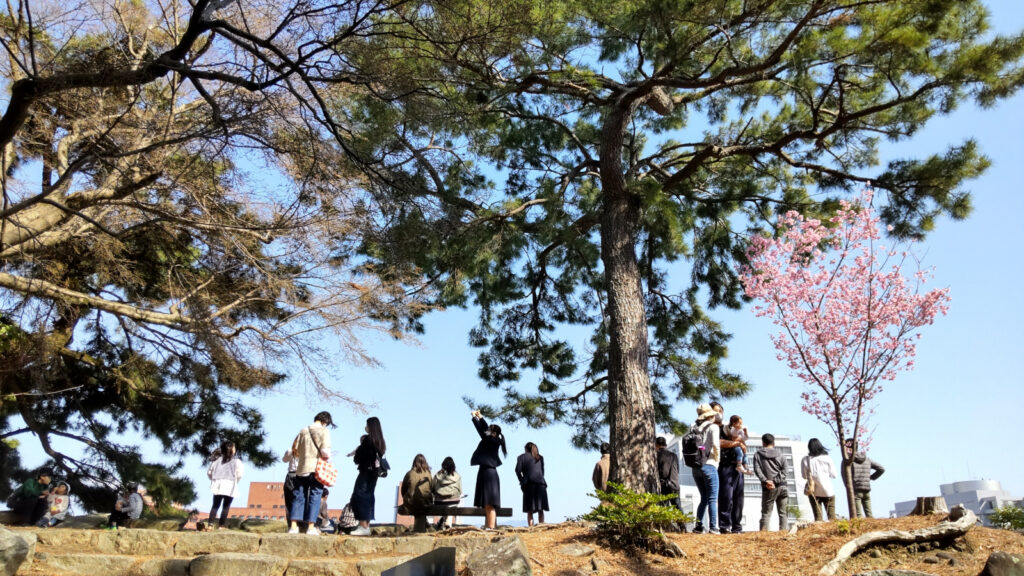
x=695 y=449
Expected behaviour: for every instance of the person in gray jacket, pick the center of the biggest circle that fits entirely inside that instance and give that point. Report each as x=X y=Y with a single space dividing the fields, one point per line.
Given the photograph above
x=770 y=469
x=864 y=471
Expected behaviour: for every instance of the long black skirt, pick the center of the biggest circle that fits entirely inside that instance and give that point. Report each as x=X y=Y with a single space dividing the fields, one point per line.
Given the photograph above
x=535 y=498
x=363 y=501
x=488 y=488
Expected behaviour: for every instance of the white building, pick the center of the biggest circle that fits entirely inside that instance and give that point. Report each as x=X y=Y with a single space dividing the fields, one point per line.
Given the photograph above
x=790 y=446
x=982 y=497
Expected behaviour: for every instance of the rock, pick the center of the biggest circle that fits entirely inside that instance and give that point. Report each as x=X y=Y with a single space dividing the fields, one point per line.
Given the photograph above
x=15 y=549
x=163 y=567
x=464 y=546
x=931 y=560
x=875 y=553
x=1004 y=564
x=505 y=557
x=945 y=555
x=194 y=544
x=86 y=564
x=414 y=545
x=576 y=549
x=893 y=573
x=261 y=526
x=361 y=545
x=320 y=568
x=163 y=524
x=144 y=542
x=232 y=564
x=88 y=521
x=377 y=565
x=297 y=545
x=598 y=565
x=67 y=539
x=957 y=512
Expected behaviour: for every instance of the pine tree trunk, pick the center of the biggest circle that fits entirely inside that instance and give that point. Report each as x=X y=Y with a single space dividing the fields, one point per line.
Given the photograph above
x=630 y=403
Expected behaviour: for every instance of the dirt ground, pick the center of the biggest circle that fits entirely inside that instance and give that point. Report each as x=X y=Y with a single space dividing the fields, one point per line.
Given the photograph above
x=770 y=553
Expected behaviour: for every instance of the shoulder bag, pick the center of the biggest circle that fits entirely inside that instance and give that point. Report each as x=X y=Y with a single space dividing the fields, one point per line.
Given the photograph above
x=325 y=472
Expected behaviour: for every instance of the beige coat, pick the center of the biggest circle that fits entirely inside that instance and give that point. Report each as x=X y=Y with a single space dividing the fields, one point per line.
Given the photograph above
x=304 y=448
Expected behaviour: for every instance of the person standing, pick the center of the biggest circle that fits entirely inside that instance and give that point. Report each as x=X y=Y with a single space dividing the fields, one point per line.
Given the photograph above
x=818 y=470
x=288 y=488
x=530 y=472
x=864 y=471
x=312 y=444
x=730 y=479
x=668 y=471
x=770 y=469
x=706 y=476
x=368 y=461
x=600 y=476
x=224 y=473
x=488 y=485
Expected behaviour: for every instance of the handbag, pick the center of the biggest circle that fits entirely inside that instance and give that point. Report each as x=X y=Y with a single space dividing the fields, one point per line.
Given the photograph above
x=382 y=467
x=809 y=488
x=325 y=472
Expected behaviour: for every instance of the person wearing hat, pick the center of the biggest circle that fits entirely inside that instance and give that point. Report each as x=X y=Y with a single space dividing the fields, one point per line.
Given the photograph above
x=706 y=477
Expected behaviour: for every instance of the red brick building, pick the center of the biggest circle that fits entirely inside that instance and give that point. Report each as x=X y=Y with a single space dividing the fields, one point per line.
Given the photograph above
x=266 y=500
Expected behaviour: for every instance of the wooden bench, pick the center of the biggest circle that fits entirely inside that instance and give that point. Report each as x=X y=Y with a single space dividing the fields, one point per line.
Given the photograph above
x=420 y=517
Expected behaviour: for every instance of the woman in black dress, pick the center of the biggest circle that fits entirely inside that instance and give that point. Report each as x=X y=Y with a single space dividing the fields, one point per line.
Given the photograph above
x=530 y=471
x=367 y=458
x=488 y=487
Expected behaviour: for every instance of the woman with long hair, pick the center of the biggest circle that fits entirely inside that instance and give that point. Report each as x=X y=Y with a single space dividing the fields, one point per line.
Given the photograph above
x=368 y=460
x=447 y=488
x=225 y=472
x=530 y=472
x=488 y=485
x=416 y=493
x=818 y=470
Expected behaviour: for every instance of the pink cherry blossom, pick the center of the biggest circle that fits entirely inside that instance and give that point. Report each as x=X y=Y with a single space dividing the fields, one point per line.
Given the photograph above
x=848 y=316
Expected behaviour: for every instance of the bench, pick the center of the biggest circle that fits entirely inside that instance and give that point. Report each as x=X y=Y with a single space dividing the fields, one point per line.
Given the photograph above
x=420 y=517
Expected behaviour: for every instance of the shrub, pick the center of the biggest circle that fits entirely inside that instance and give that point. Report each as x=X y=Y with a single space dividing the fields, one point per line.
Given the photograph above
x=634 y=520
x=1010 y=517
x=846 y=527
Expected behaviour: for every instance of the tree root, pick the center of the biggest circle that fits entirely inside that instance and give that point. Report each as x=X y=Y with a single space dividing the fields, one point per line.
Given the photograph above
x=942 y=531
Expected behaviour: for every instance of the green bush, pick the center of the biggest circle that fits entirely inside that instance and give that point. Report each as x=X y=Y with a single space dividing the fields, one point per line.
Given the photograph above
x=634 y=520
x=1010 y=517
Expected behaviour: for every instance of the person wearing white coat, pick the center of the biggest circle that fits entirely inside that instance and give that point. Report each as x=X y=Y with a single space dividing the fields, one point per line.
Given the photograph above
x=224 y=472
x=817 y=466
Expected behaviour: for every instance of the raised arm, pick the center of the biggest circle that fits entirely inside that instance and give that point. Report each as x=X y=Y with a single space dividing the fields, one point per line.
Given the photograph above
x=481 y=426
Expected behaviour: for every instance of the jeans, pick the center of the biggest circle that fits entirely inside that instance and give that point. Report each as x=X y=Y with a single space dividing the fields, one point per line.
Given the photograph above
x=706 y=478
x=218 y=499
x=306 y=499
x=829 y=503
x=778 y=497
x=862 y=503
x=730 y=499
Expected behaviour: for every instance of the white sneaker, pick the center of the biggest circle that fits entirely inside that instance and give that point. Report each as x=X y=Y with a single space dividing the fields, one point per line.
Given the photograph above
x=312 y=531
x=293 y=530
x=360 y=531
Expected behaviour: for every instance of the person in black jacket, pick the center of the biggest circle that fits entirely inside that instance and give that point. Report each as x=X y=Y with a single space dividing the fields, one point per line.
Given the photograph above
x=864 y=471
x=770 y=469
x=368 y=460
x=668 y=471
x=488 y=486
x=530 y=471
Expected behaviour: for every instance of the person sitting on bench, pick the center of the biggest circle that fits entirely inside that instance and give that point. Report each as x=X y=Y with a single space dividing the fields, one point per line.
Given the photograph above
x=447 y=489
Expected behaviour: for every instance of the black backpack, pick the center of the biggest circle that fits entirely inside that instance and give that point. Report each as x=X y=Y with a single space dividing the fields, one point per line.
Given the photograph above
x=695 y=448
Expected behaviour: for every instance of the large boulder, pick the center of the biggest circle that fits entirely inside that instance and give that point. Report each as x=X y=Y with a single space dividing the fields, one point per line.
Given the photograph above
x=505 y=557
x=232 y=564
x=15 y=549
x=1004 y=564
x=87 y=521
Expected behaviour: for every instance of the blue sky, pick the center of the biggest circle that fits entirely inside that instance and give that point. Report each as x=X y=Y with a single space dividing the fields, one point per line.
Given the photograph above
x=957 y=416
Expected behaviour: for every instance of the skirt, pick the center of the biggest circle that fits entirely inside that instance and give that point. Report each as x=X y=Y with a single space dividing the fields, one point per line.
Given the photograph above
x=488 y=488
x=535 y=498
x=363 y=501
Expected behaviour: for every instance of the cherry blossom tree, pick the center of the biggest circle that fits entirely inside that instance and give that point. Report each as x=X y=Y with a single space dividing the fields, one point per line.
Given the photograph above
x=849 y=315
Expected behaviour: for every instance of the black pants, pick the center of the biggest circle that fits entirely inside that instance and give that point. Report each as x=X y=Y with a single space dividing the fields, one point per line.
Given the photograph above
x=119 y=518
x=217 y=499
